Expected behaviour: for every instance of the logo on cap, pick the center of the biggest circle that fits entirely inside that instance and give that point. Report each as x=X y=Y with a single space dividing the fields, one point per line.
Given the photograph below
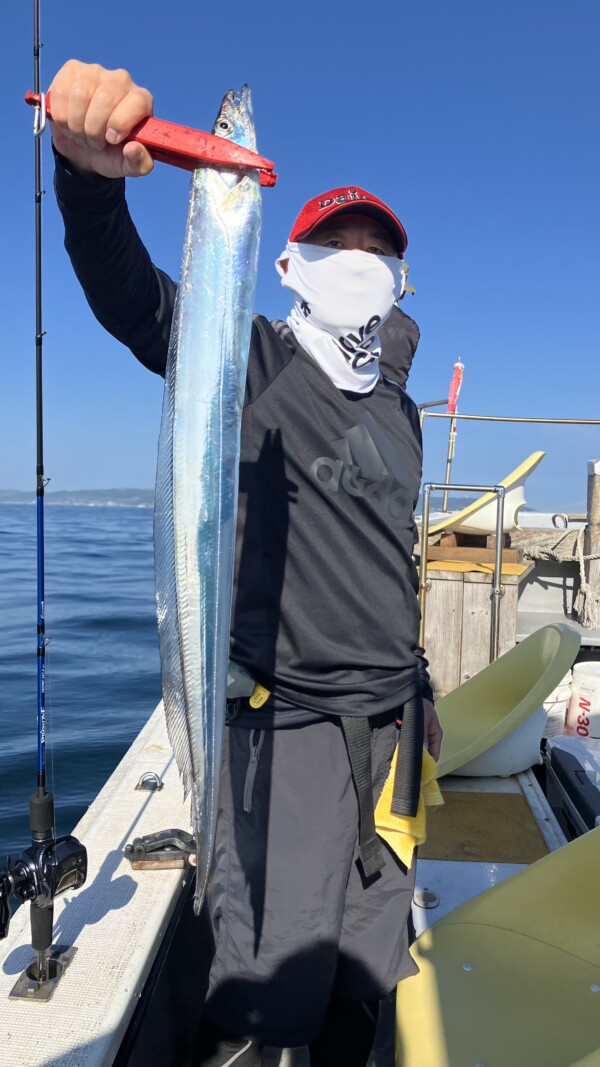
x=344 y=198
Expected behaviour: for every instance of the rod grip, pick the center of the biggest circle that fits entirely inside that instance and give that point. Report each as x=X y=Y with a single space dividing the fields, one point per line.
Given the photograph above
x=41 y=815
x=42 y=921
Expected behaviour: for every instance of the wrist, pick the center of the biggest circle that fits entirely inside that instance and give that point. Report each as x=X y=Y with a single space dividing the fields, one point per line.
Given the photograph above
x=84 y=190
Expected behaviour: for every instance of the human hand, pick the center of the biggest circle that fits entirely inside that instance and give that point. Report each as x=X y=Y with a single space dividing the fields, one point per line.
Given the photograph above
x=93 y=110
x=433 y=730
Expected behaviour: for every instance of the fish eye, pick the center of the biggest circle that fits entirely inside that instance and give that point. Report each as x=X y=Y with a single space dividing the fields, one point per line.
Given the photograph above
x=225 y=126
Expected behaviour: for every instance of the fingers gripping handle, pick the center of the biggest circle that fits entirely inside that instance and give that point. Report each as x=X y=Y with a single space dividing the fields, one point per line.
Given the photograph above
x=183 y=147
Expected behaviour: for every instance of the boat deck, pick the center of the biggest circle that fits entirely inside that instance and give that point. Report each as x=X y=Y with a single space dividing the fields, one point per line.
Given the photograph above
x=482 y=852
x=94 y=1018
x=84 y=1022
x=481 y=849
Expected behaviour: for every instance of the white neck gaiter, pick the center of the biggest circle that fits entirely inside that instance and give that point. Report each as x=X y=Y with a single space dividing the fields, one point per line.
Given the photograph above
x=340 y=301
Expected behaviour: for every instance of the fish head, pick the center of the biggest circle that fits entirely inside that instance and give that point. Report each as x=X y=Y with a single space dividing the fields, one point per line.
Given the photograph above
x=235 y=120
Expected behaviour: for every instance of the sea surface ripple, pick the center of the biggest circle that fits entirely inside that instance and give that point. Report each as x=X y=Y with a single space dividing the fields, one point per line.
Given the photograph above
x=102 y=664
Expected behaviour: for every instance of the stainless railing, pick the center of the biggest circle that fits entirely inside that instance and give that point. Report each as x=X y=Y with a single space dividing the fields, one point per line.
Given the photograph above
x=453 y=416
x=504 y=418
x=498 y=489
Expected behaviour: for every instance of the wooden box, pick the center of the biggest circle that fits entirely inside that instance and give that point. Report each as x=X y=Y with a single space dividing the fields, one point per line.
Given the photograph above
x=458 y=624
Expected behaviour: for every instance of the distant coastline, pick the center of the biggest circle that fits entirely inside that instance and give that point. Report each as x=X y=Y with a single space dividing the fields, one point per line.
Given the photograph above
x=90 y=498
x=144 y=498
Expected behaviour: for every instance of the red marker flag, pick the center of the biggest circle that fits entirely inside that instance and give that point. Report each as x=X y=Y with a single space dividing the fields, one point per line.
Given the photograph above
x=455 y=385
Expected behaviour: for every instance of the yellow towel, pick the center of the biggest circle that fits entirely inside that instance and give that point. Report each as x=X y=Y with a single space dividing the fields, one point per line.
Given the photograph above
x=400 y=832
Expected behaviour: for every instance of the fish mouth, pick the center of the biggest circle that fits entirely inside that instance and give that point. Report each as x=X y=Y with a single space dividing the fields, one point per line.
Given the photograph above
x=237 y=103
x=238 y=98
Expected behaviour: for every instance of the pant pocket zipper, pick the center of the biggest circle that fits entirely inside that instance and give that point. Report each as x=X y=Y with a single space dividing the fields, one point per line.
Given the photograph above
x=255 y=750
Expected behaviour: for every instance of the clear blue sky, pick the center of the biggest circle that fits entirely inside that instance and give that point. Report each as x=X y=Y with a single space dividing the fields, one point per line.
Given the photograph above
x=477 y=121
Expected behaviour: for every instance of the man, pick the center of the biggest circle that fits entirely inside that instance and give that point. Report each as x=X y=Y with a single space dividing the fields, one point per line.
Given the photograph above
x=309 y=910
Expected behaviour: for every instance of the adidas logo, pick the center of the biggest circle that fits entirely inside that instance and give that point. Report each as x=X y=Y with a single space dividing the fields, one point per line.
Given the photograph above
x=366 y=465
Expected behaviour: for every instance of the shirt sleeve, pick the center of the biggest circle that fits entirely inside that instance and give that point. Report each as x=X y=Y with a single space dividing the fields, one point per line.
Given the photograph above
x=399 y=337
x=129 y=296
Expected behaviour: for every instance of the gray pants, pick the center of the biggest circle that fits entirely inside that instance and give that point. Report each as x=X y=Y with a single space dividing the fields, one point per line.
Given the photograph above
x=294 y=921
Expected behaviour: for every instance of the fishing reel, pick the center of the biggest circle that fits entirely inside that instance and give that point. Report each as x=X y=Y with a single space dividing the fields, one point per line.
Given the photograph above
x=41 y=873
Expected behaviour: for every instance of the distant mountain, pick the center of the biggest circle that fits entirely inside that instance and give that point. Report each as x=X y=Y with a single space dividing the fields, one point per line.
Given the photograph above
x=113 y=498
x=144 y=498
x=455 y=502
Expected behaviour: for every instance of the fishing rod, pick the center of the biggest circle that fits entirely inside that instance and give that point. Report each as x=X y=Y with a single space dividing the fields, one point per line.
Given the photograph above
x=50 y=865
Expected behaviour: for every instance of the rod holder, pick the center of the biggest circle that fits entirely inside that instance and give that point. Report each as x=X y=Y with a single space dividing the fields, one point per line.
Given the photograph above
x=32 y=986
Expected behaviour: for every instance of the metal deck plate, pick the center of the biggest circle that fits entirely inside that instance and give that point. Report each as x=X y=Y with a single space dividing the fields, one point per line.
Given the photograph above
x=28 y=988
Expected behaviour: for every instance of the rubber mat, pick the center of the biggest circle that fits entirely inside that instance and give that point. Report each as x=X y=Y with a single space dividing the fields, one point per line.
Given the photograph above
x=483 y=828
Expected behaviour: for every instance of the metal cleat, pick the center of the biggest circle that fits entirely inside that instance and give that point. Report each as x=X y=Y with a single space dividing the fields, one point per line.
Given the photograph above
x=165 y=850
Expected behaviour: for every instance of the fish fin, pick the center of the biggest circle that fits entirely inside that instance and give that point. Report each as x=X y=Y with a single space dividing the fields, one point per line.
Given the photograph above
x=164 y=574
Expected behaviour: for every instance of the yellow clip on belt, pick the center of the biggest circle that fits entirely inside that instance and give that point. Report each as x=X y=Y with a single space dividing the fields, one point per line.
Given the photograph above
x=260 y=695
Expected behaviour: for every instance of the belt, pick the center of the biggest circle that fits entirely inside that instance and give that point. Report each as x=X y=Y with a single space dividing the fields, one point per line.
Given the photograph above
x=407 y=782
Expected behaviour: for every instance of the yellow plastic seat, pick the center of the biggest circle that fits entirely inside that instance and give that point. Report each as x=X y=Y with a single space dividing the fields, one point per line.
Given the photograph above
x=593 y=1060
x=479 y=517
x=512 y=978
x=488 y=707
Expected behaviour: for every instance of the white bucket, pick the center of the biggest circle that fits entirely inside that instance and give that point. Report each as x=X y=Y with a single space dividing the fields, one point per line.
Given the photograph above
x=556 y=704
x=583 y=716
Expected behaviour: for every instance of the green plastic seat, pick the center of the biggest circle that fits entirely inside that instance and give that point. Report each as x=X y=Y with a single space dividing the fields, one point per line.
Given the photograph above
x=488 y=707
x=512 y=978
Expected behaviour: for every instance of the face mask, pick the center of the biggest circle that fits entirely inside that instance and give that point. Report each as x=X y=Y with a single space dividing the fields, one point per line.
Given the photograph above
x=340 y=301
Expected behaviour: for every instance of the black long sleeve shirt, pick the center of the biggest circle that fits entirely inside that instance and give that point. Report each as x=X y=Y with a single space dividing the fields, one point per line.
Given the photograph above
x=325 y=608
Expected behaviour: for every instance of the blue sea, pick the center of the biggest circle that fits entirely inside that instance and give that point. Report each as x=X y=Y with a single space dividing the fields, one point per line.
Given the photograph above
x=102 y=664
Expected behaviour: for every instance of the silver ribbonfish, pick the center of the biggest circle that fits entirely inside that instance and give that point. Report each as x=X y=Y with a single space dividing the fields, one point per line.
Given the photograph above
x=198 y=460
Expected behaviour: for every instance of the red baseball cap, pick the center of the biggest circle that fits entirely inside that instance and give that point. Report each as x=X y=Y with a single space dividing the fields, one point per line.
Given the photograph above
x=348 y=198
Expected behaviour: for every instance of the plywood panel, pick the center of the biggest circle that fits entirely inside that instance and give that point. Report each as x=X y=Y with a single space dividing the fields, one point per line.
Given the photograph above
x=476 y=621
x=443 y=622
x=483 y=828
x=508 y=618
